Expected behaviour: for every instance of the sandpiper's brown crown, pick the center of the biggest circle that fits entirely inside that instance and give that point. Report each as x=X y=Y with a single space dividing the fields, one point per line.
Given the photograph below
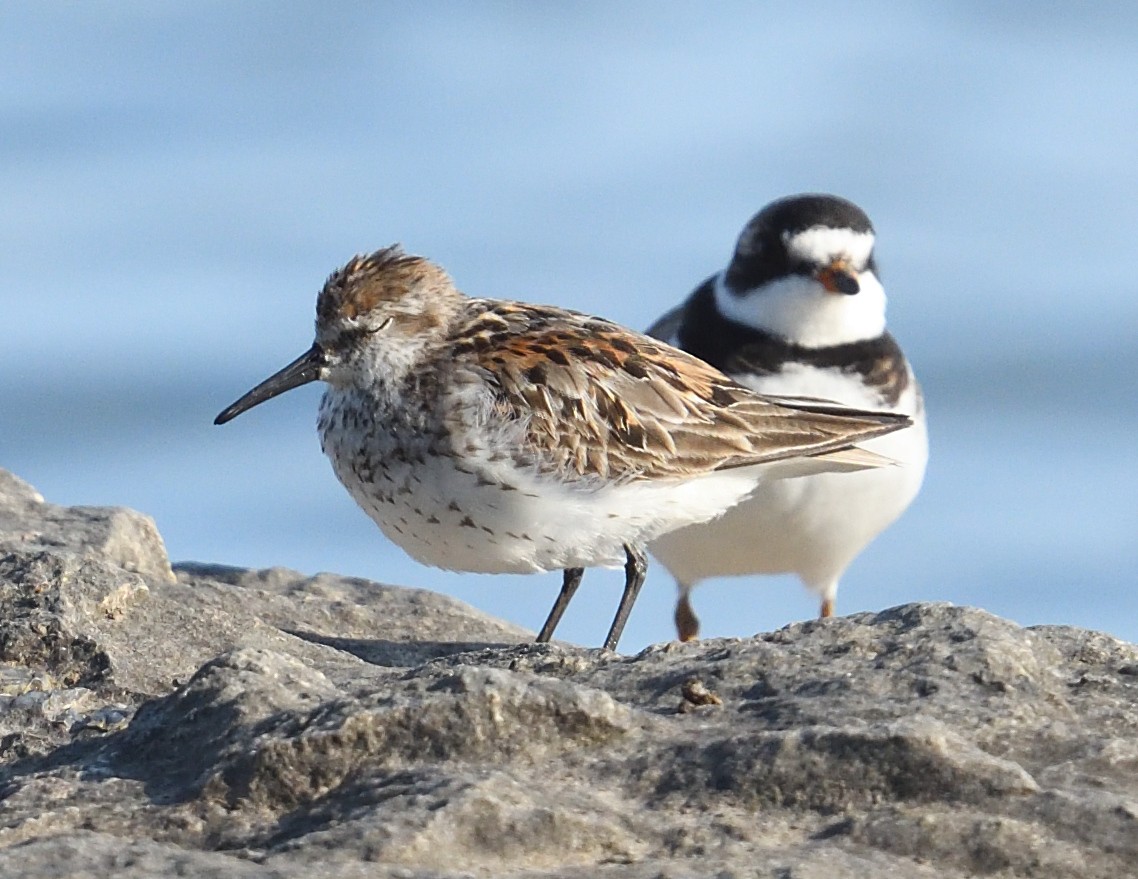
x=368 y=282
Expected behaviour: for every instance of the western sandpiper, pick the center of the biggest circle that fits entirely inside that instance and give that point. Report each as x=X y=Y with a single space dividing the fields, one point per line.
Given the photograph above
x=495 y=436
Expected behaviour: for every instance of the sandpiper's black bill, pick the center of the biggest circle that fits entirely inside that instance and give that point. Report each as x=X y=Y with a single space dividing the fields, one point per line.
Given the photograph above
x=305 y=369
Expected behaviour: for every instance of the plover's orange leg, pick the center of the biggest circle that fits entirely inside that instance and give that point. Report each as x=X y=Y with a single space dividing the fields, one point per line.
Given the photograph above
x=827 y=609
x=687 y=623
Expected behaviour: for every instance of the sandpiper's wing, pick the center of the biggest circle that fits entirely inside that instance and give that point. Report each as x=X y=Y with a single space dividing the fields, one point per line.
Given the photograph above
x=596 y=399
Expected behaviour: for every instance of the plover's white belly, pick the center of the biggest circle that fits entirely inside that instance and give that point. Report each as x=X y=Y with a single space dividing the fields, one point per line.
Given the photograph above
x=478 y=514
x=812 y=526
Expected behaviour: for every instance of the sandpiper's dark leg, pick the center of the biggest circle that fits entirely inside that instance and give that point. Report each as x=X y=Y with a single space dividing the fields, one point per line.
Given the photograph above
x=569 y=584
x=634 y=570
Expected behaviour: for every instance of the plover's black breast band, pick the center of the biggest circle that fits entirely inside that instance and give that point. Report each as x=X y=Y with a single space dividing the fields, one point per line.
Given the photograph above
x=736 y=349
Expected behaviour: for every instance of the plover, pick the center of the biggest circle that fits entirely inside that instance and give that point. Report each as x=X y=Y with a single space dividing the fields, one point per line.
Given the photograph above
x=500 y=437
x=800 y=312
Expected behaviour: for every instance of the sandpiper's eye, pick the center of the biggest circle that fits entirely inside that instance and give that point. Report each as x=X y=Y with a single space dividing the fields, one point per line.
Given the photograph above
x=383 y=325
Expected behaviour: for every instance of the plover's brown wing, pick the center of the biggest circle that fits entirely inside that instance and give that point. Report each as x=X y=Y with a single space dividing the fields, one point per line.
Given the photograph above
x=598 y=399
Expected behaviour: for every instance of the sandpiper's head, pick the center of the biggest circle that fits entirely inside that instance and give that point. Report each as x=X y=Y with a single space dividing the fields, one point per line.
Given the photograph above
x=372 y=316
x=385 y=290
x=804 y=270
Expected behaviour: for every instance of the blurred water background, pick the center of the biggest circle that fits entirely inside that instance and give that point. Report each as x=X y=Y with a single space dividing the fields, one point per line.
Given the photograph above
x=177 y=180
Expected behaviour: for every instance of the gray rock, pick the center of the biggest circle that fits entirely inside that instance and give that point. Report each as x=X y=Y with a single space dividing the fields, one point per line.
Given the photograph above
x=82 y=853
x=107 y=619
x=260 y=723
x=120 y=537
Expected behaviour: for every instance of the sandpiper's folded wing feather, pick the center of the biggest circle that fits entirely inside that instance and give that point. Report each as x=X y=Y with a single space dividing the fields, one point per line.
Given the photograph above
x=597 y=399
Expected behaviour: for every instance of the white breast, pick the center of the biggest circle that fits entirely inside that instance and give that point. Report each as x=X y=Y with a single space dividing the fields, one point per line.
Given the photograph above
x=802 y=310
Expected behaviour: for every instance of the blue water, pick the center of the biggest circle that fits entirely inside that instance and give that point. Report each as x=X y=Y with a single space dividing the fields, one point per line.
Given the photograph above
x=178 y=179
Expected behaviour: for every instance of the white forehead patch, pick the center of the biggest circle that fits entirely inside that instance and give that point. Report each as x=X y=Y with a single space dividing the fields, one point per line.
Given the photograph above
x=821 y=245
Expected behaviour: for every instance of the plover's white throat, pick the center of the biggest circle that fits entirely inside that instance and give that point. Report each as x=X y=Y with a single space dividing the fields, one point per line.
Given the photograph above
x=800 y=312
x=492 y=436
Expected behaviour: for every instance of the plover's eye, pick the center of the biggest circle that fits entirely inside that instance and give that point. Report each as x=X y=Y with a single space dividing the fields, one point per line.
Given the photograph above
x=383 y=325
